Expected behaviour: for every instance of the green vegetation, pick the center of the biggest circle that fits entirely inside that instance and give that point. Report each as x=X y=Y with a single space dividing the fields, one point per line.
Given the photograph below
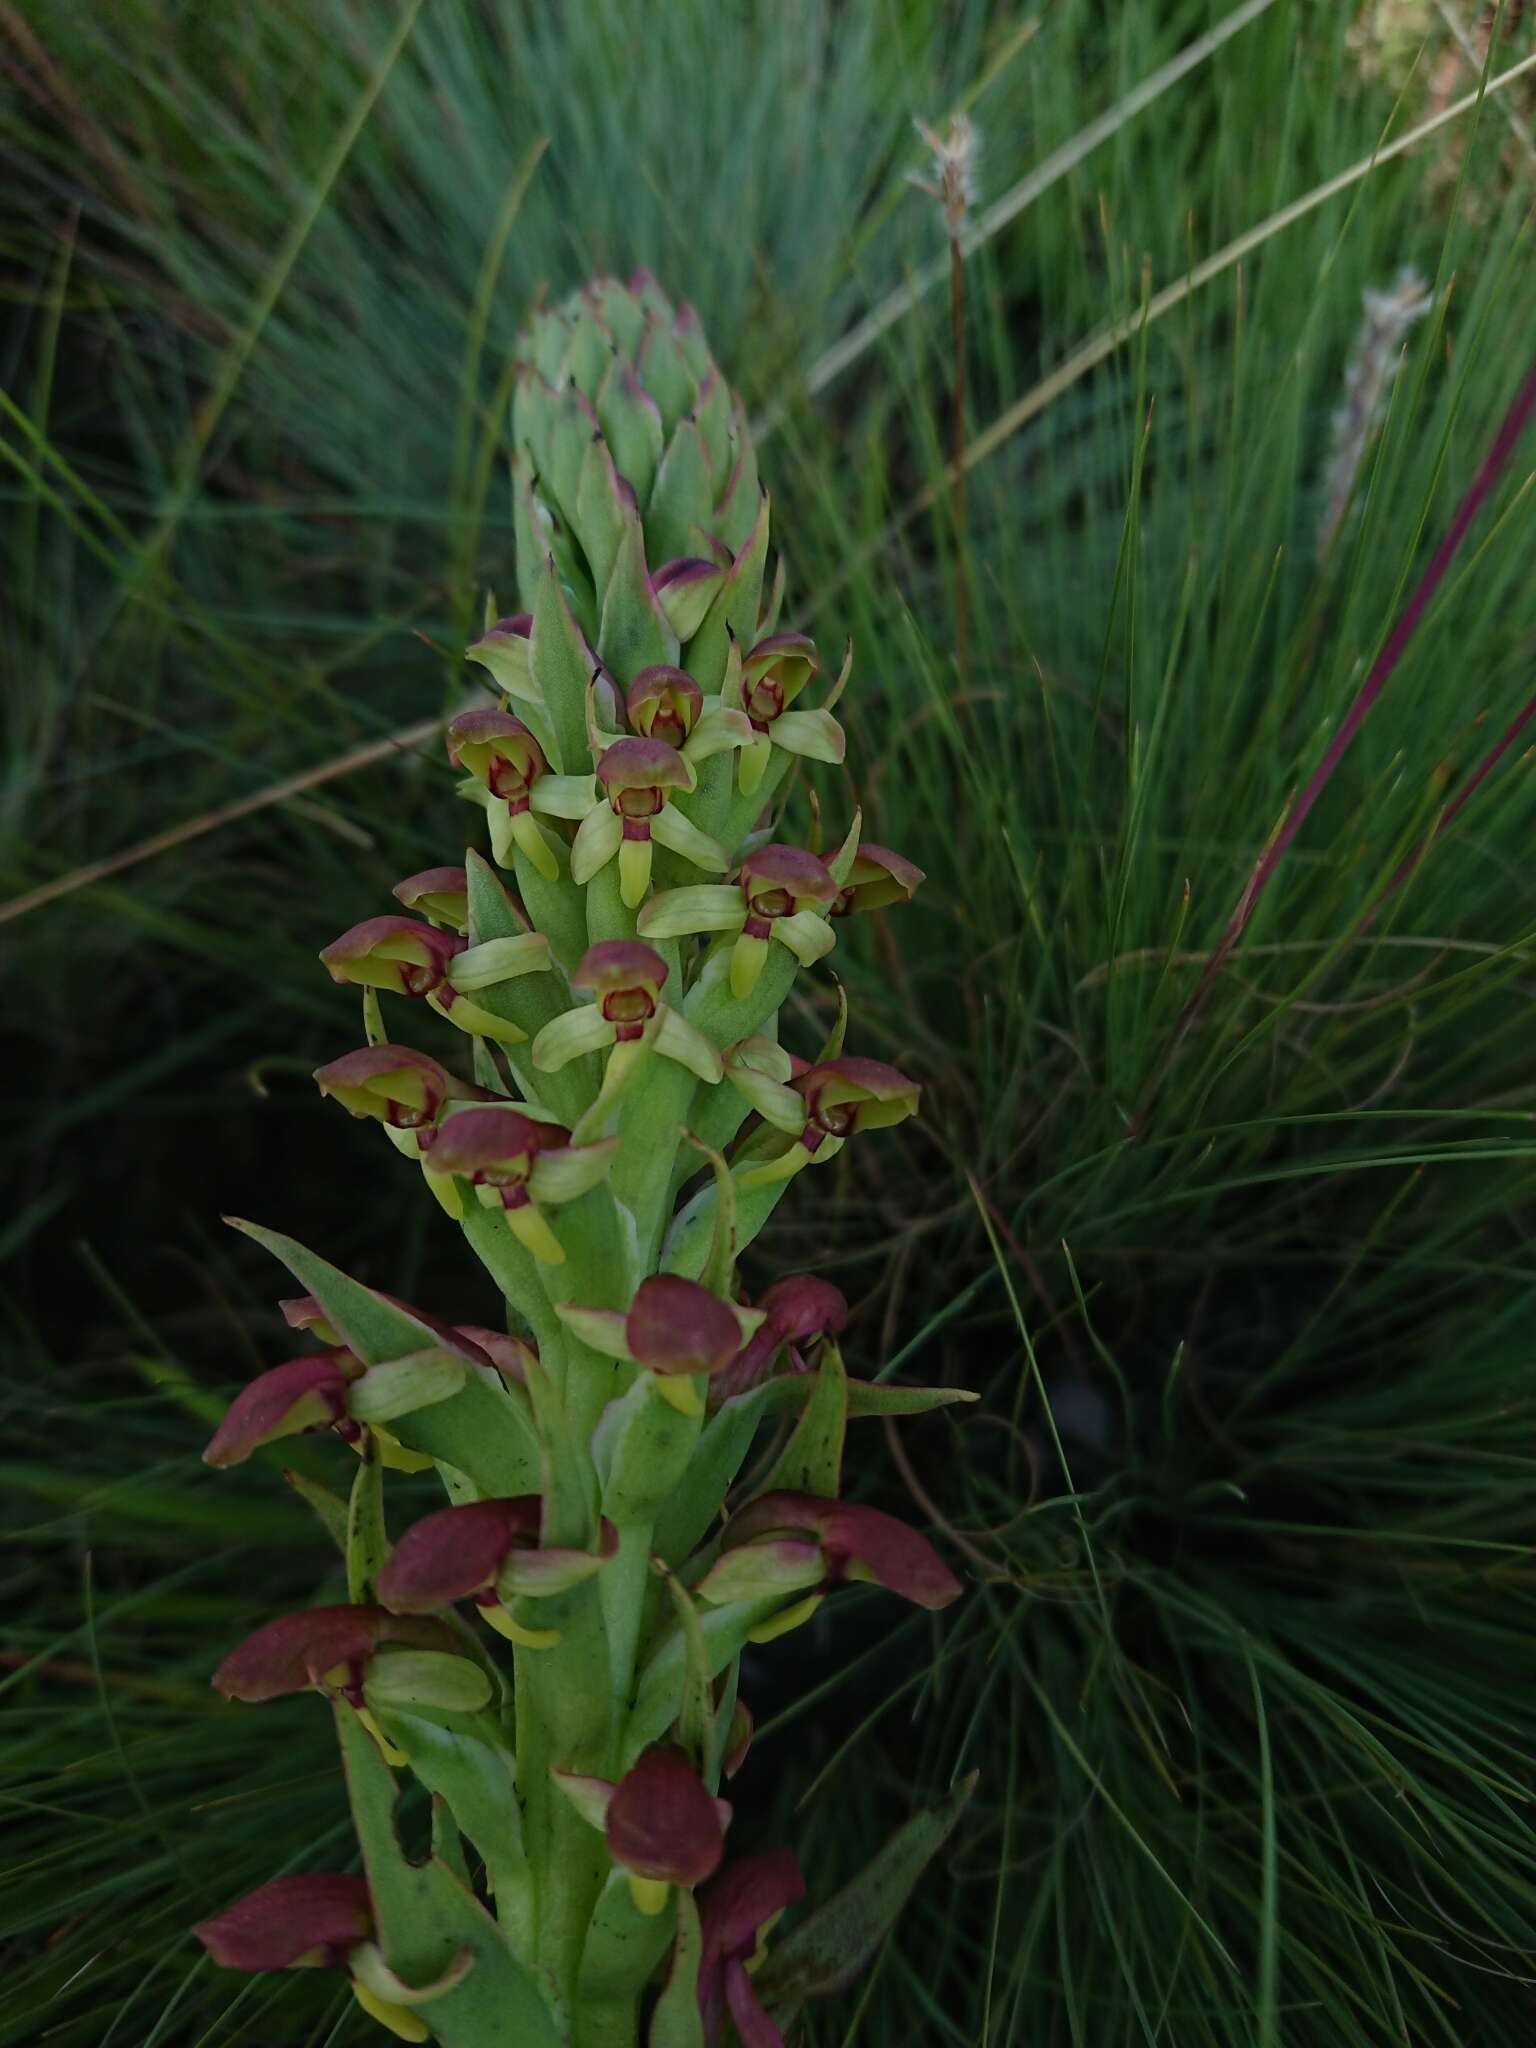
x=1247 y=1503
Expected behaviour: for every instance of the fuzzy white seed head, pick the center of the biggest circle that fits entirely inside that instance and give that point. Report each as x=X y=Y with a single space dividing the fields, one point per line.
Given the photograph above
x=951 y=178
x=1373 y=364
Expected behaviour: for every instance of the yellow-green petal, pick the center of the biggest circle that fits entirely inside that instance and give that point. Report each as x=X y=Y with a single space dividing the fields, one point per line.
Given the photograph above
x=598 y=838
x=566 y=1038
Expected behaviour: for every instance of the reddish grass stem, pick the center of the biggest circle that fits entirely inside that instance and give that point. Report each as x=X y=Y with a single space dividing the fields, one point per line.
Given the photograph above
x=1504 y=444
x=1480 y=774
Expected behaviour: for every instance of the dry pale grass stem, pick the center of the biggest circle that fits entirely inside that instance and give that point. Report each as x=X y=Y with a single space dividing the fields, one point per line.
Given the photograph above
x=951 y=181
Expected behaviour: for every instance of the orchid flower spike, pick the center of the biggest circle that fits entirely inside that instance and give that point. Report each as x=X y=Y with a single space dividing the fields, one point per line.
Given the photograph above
x=596 y=1467
x=783 y=894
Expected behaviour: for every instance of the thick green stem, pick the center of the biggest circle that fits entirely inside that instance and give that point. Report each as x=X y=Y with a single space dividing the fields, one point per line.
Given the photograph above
x=563 y=1720
x=599 y=1269
x=727 y=1019
x=592 y=1381
x=608 y=916
x=625 y=1583
x=514 y=1269
x=649 y=1133
x=613 y=2024
x=555 y=909
x=688 y=1242
x=714 y=1119
x=746 y=810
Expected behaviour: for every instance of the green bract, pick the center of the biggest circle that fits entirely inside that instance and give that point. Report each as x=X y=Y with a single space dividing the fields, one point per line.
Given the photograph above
x=631 y=1116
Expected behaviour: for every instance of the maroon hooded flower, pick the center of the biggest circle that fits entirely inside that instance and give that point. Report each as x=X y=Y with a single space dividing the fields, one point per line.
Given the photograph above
x=847 y=1095
x=506 y=759
x=686 y=588
x=305 y=1312
x=393 y=1083
x=675 y=1328
x=879 y=878
x=487 y=1551
x=783 y=881
x=441 y=894
x=322 y=1391
x=798 y=1311
x=505 y=648
x=627 y=978
x=800 y=1543
x=735 y=1912
x=638 y=778
x=782 y=893
x=408 y=958
x=662 y=1824
x=398 y=954
x=738 y=1738
x=320 y=1920
x=311 y=1921
x=293 y=1399
x=659 y=1821
x=664 y=703
x=773 y=674
x=493 y=1147
x=500 y=752
x=323 y=1649
x=524 y=1161
x=821 y=1107
x=511 y=1356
